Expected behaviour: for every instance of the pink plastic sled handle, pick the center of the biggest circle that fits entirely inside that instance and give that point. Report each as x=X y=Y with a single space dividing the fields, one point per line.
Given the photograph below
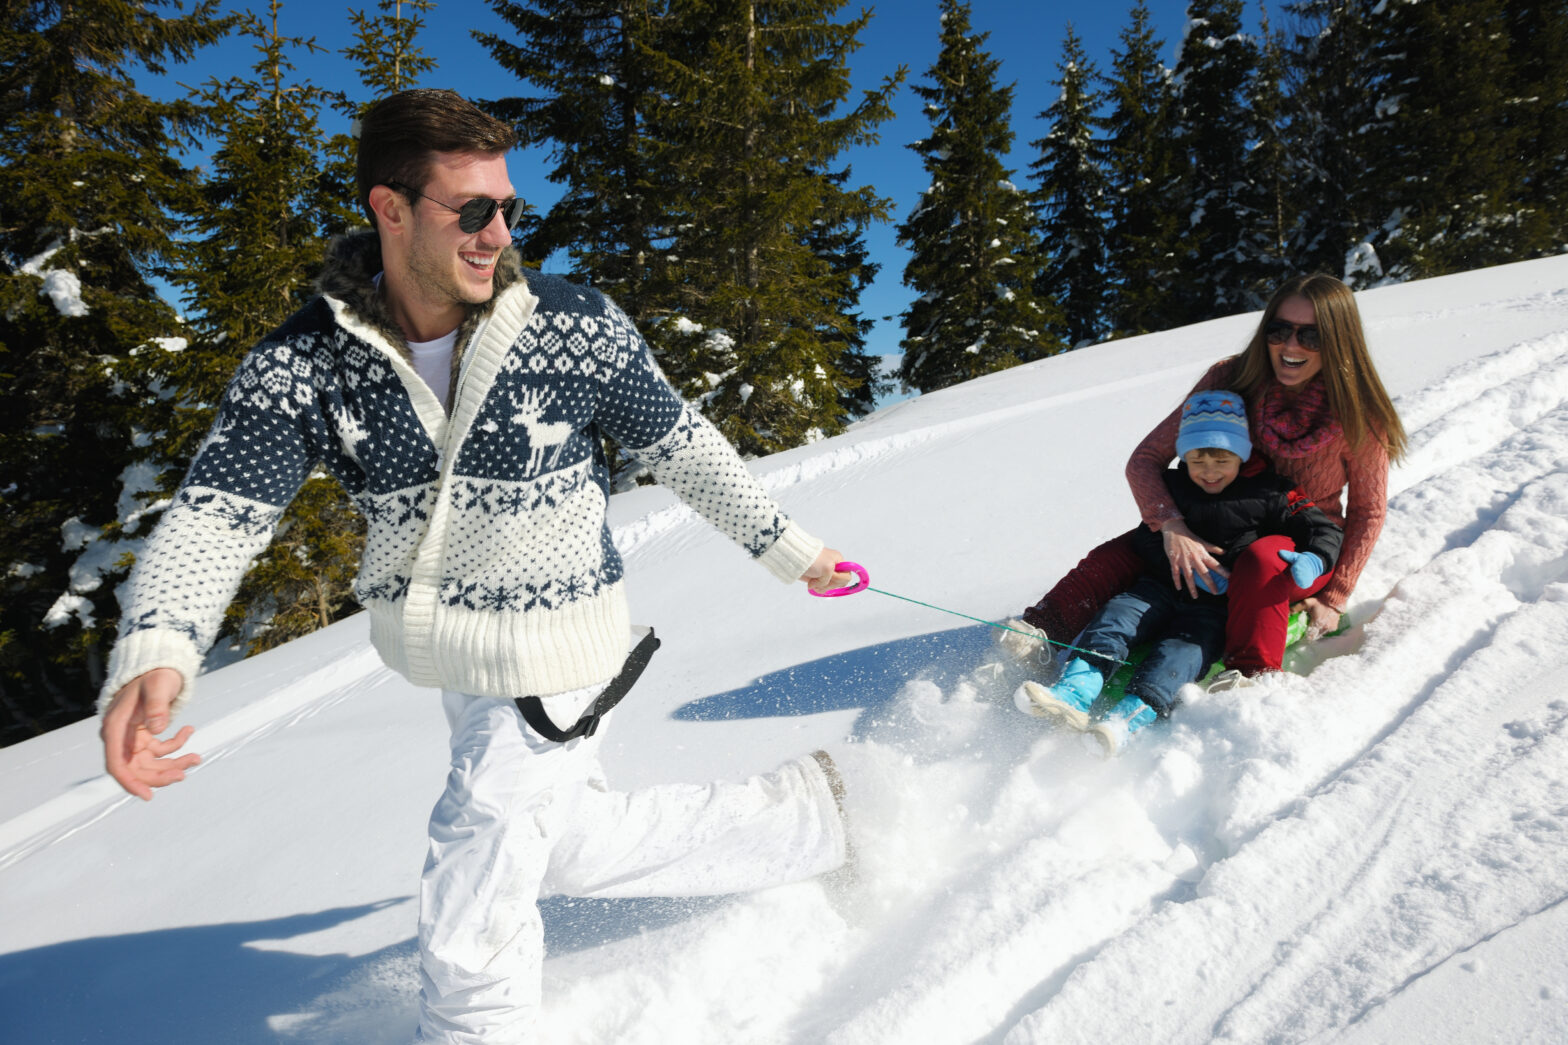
x=846 y=567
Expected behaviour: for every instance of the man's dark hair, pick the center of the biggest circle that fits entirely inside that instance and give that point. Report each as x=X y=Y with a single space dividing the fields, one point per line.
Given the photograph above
x=399 y=133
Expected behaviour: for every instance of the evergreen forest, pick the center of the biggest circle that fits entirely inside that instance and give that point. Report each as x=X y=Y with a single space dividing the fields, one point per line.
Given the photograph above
x=699 y=147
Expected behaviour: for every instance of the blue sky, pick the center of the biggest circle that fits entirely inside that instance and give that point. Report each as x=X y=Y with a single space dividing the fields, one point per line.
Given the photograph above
x=1025 y=36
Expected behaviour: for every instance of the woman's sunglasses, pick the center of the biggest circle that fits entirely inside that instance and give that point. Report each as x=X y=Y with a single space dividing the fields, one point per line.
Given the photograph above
x=1278 y=332
x=476 y=213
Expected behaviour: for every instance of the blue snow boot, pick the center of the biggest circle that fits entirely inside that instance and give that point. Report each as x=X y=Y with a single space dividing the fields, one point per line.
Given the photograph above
x=1120 y=723
x=1068 y=701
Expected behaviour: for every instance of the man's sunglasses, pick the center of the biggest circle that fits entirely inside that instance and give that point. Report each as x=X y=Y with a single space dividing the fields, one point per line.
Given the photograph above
x=476 y=213
x=1278 y=333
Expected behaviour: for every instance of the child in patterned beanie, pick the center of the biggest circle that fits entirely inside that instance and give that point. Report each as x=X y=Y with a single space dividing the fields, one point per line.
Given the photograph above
x=1230 y=501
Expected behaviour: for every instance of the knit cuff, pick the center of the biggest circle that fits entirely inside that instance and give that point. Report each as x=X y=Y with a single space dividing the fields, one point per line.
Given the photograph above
x=792 y=554
x=142 y=651
x=1332 y=597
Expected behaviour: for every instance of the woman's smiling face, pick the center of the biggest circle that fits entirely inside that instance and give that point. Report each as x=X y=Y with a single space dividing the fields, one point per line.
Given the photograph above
x=1294 y=366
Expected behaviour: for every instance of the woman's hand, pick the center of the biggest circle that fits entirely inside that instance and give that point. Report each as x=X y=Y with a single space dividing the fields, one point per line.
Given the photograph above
x=1321 y=617
x=1190 y=557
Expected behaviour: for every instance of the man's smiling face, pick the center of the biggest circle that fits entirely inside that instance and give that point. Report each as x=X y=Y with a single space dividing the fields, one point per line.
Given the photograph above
x=450 y=267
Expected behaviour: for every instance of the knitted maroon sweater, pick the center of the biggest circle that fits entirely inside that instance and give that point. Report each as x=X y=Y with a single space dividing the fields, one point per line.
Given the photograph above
x=1321 y=475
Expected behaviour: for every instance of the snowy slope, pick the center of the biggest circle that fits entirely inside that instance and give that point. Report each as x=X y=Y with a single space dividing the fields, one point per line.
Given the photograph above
x=1374 y=851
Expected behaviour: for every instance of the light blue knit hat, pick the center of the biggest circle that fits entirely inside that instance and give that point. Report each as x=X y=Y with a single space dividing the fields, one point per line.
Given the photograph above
x=1214 y=419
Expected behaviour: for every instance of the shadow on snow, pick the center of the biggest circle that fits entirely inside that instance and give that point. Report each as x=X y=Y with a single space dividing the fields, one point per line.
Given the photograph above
x=198 y=985
x=865 y=678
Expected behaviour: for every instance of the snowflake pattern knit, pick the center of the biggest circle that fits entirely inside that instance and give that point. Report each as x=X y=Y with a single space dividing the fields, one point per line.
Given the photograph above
x=488 y=564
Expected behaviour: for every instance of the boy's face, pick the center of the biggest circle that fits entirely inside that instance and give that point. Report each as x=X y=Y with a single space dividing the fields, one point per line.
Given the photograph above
x=1212 y=469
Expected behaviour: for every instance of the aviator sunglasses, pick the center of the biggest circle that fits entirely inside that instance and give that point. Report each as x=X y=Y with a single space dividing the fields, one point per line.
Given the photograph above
x=1278 y=333
x=476 y=213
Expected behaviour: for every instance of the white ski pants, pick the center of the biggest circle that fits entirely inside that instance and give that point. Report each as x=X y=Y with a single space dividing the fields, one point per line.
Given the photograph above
x=523 y=818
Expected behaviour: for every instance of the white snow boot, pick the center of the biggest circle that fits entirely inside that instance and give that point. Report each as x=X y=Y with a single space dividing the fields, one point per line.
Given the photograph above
x=1023 y=642
x=1231 y=678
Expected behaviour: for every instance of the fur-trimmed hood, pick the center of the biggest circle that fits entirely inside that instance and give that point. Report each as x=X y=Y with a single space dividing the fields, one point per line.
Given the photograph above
x=349 y=272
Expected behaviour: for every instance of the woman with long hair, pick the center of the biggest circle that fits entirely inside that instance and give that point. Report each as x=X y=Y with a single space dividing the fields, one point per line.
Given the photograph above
x=1320 y=414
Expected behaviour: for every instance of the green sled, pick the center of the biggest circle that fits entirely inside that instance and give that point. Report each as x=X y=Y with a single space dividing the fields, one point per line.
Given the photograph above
x=1116 y=685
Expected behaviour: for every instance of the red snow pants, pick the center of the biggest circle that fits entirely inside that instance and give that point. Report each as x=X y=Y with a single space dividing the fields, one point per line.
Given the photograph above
x=1261 y=591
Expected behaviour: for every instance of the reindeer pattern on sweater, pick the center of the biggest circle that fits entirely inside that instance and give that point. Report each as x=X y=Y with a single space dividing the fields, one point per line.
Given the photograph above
x=488 y=565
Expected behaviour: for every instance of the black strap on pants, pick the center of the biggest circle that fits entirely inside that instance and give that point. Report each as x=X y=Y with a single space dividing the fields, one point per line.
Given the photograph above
x=533 y=708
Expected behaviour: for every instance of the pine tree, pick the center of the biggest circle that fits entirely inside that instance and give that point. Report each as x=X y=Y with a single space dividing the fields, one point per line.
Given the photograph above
x=1213 y=74
x=843 y=245
x=1335 y=82
x=1271 y=185
x=304 y=580
x=384 y=51
x=388 y=60
x=1143 y=241
x=696 y=144
x=1449 y=152
x=594 y=66
x=1072 y=196
x=89 y=176
x=1538 y=39
x=974 y=261
x=256 y=246
x=766 y=235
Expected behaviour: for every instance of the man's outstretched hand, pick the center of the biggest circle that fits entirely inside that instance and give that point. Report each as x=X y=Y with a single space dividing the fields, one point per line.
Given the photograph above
x=132 y=752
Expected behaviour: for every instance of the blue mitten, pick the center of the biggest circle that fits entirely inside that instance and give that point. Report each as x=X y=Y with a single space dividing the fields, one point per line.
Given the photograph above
x=1213 y=582
x=1305 y=567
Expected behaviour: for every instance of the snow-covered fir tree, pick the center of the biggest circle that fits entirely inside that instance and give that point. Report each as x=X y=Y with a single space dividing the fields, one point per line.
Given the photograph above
x=1072 y=194
x=975 y=259
x=1213 y=74
x=387 y=58
x=1143 y=235
x=89 y=179
x=1449 y=157
x=843 y=245
x=767 y=231
x=697 y=143
x=1333 y=103
x=1537 y=42
x=594 y=65
x=1272 y=191
x=256 y=243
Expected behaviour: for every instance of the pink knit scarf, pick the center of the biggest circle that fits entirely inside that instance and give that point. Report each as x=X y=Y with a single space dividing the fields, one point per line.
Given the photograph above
x=1295 y=423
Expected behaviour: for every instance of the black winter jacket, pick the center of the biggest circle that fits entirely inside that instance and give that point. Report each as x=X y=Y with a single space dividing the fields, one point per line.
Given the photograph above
x=1259 y=503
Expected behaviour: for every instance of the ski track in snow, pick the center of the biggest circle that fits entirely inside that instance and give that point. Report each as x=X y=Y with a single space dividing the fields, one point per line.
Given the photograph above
x=1317 y=859
x=1445 y=550
x=1012 y=883
x=854 y=456
x=82 y=806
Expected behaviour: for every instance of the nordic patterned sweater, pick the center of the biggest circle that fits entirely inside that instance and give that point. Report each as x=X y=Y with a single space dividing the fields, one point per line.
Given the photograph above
x=488 y=566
